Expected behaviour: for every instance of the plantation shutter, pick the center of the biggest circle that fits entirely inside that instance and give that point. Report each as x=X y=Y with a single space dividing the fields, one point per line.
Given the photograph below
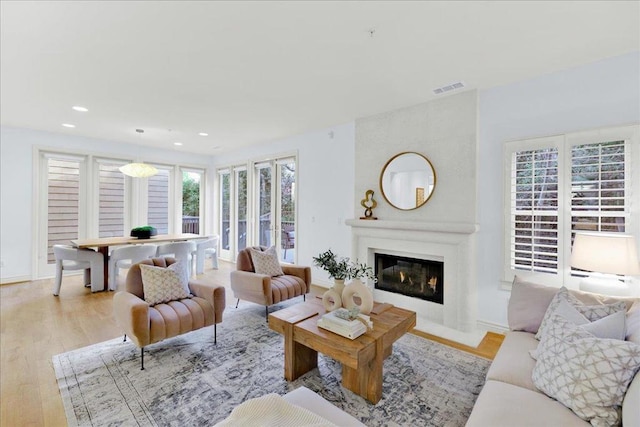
x=598 y=187
x=534 y=210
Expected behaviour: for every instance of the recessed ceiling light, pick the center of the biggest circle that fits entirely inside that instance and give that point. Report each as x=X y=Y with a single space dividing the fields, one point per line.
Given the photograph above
x=68 y=125
x=177 y=143
x=203 y=134
x=79 y=108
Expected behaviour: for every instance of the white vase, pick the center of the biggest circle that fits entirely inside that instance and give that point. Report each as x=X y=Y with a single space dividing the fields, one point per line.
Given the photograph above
x=331 y=300
x=338 y=285
x=356 y=287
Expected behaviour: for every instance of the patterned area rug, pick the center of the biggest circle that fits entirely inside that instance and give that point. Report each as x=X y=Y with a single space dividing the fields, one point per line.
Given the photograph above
x=190 y=381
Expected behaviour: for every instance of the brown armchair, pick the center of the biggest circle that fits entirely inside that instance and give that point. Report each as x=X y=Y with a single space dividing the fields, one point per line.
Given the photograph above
x=262 y=289
x=146 y=324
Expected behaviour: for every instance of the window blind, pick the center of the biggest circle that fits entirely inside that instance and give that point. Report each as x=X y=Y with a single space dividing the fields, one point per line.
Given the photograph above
x=534 y=210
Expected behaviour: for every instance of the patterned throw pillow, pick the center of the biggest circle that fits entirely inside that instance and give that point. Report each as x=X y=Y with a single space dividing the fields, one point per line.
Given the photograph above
x=266 y=262
x=165 y=284
x=588 y=375
x=591 y=312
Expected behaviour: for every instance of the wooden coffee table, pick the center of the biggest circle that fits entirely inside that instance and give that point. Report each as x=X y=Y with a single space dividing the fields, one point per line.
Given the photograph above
x=361 y=358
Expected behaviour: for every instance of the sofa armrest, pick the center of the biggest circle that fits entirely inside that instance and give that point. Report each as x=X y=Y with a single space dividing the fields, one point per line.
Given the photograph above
x=302 y=272
x=214 y=294
x=132 y=314
x=252 y=287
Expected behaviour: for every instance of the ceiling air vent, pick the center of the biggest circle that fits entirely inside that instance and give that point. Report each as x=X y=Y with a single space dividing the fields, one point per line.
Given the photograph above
x=448 y=88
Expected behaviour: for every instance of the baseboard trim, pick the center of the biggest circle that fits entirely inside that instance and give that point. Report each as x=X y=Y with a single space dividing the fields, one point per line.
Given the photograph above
x=14 y=279
x=492 y=327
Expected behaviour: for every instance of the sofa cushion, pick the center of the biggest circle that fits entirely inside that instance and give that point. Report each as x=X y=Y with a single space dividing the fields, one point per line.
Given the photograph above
x=527 y=304
x=587 y=374
x=513 y=364
x=630 y=410
x=285 y=287
x=633 y=323
x=591 y=312
x=506 y=405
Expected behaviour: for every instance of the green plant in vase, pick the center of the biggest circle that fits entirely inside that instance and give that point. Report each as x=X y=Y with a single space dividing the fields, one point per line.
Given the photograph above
x=336 y=267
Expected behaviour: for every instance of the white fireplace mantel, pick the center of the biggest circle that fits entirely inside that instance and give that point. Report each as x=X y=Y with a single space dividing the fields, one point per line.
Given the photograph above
x=437 y=227
x=452 y=242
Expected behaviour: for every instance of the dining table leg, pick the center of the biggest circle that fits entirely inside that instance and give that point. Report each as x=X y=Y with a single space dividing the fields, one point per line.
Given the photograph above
x=104 y=250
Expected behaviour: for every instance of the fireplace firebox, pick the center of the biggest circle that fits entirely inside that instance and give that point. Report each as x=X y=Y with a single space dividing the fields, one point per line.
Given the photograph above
x=418 y=278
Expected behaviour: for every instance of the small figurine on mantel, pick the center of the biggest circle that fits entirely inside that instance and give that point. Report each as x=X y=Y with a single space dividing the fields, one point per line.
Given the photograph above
x=369 y=205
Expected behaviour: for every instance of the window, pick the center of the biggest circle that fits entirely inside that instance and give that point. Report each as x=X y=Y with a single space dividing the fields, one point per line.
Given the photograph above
x=83 y=196
x=225 y=210
x=562 y=184
x=62 y=201
x=158 y=201
x=191 y=201
x=112 y=219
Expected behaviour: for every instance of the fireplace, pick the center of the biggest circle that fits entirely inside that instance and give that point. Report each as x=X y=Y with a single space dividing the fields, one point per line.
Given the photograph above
x=453 y=244
x=413 y=277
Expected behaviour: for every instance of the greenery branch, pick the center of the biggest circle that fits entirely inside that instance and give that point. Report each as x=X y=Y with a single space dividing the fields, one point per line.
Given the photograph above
x=341 y=268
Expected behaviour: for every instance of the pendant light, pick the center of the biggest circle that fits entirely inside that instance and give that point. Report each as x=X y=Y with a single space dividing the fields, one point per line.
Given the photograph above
x=138 y=169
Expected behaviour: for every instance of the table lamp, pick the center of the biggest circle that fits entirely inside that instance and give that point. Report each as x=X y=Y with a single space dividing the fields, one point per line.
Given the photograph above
x=605 y=255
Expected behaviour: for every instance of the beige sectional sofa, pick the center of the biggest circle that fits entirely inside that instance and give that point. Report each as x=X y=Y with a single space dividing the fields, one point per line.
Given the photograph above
x=509 y=397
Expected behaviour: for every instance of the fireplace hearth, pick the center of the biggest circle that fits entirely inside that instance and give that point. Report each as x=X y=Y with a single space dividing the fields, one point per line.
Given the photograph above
x=418 y=278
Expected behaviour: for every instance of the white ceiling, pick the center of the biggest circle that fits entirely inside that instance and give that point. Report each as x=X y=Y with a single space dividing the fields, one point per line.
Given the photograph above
x=251 y=72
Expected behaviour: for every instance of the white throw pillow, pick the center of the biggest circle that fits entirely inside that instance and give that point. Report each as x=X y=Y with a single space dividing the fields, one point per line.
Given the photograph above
x=162 y=285
x=588 y=375
x=266 y=262
x=612 y=326
x=591 y=312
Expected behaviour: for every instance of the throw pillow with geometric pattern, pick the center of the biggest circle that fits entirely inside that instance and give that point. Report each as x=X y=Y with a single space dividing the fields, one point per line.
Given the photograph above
x=591 y=312
x=266 y=262
x=588 y=375
x=162 y=285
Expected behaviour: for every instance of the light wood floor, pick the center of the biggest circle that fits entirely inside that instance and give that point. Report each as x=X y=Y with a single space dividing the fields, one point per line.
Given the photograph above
x=35 y=325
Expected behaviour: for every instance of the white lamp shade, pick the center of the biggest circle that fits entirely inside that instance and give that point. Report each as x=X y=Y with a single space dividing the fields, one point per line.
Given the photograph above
x=138 y=170
x=610 y=253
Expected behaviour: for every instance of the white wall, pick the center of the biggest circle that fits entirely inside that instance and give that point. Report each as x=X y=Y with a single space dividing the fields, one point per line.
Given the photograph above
x=16 y=186
x=444 y=131
x=604 y=93
x=325 y=188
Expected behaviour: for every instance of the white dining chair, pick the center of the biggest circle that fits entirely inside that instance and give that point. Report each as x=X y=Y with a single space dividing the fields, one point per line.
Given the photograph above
x=125 y=257
x=182 y=251
x=207 y=249
x=70 y=258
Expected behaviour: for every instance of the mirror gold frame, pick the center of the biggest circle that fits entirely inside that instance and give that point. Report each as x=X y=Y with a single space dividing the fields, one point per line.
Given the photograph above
x=407 y=183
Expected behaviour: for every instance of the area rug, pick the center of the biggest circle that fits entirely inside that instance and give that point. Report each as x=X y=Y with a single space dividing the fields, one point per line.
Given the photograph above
x=189 y=380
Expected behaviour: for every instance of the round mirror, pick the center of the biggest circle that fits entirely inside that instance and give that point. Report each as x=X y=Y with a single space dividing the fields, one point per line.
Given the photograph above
x=407 y=181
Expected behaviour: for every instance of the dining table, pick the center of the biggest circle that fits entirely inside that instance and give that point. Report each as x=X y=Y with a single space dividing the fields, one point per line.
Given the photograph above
x=102 y=244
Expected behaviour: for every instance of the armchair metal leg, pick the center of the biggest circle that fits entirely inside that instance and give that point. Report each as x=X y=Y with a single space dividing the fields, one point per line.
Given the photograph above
x=215 y=333
x=304 y=297
x=237 y=302
x=125 y=338
x=266 y=311
x=142 y=358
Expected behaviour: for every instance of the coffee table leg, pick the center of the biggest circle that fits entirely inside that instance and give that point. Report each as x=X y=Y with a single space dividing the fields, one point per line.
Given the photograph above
x=366 y=381
x=298 y=359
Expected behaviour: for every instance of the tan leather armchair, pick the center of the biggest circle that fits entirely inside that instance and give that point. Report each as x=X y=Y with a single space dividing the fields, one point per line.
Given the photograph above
x=247 y=285
x=146 y=324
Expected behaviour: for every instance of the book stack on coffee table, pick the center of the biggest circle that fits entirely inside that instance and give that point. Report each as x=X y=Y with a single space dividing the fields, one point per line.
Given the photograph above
x=337 y=322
